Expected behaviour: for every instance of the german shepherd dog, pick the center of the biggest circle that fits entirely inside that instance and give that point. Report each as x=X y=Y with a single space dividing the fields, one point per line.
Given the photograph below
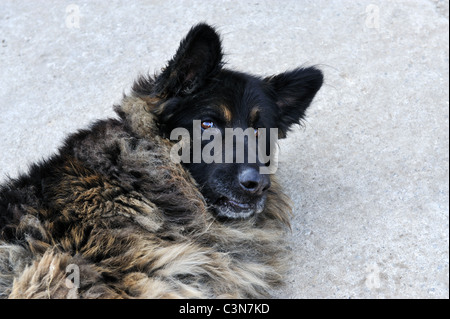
x=112 y=215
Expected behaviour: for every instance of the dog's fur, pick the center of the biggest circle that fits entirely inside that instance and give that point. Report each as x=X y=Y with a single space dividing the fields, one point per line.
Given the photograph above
x=138 y=225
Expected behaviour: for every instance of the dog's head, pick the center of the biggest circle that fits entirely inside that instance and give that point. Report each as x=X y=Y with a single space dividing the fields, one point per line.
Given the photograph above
x=195 y=86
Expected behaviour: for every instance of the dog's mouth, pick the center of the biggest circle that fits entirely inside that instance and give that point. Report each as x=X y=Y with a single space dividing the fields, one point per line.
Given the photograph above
x=235 y=209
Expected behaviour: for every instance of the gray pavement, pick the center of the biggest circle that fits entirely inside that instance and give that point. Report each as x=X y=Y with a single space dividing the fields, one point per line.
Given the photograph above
x=368 y=172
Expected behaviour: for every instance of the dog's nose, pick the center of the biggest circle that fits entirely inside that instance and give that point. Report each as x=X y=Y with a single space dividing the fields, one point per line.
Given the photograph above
x=253 y=182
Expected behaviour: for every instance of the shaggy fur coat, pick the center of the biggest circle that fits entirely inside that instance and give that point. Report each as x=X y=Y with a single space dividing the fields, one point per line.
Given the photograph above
x=112 y=206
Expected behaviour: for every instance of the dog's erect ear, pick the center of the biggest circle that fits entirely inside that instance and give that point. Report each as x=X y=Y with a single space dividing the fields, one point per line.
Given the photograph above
x=197 y=59
x=293 y=92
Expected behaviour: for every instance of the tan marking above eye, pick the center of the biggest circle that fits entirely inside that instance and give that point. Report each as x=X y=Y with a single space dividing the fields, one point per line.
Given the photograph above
x=226 y=113
x=253 y=115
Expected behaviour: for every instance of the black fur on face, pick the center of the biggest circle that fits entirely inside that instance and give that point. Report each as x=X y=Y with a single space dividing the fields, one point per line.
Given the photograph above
x=196 y=86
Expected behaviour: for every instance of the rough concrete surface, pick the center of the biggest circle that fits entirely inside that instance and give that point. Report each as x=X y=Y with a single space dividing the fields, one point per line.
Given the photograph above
x=368 y=172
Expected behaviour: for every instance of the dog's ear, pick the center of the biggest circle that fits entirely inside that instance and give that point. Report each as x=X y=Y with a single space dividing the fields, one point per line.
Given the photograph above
x=293 y=92
x=197 y=59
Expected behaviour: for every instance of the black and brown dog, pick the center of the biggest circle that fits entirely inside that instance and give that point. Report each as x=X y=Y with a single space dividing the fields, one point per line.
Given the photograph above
x=133 y=223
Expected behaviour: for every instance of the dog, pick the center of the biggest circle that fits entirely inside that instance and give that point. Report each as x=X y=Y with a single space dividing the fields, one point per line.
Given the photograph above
x=112 y=215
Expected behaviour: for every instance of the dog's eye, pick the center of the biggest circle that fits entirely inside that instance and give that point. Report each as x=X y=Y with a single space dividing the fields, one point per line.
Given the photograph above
x=207 y=124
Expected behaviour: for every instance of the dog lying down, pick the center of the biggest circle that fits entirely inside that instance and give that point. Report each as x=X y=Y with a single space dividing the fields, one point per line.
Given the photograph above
x=113 y=215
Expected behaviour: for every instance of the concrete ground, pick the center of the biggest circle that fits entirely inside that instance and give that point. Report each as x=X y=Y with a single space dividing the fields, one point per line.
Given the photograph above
x=369 y=171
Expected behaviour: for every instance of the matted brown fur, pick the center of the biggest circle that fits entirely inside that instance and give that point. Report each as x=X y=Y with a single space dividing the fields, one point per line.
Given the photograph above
x=133 y=222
